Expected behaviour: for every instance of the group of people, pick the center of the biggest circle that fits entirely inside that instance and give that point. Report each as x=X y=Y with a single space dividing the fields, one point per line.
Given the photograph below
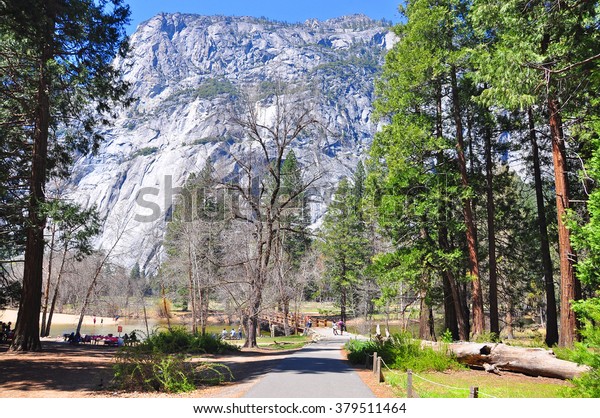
x=6 y=333
x=338 y=327
x=76 y=338
x=233 y=334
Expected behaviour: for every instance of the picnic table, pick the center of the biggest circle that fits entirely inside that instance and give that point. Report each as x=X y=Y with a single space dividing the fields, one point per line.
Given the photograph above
x=112 y=341
x=109 y=340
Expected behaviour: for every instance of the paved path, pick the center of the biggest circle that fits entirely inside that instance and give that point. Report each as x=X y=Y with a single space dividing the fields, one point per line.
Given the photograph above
x=316 y=371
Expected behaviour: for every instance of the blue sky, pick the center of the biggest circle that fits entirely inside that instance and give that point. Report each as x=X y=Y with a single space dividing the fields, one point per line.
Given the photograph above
x=286 y=10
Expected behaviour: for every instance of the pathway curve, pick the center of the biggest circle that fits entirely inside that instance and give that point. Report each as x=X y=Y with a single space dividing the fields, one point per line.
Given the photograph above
x=316 y=371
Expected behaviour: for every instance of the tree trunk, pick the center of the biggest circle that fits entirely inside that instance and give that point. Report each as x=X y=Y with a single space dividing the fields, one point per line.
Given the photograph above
x=253 y=323
x=453 y=318
x=426 y=329
x=509 y=322
x=56 y=293
x=450 y=317
x=286 y=312
x=44 y=331
x=551 y=316
x=491 y=213
x=191 y=290
x=568 y=258
x=462 y=321
x=471 y=232
x=88 y=296
x=165 y=307
x=202 y=302
x=529 y=361
x=27 y=330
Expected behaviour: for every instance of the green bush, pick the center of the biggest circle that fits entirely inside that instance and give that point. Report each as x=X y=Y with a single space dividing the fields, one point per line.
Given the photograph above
x=213 y=87
x=142 y=152
x=486 y=337
x=446 y=337
x=588 y=350
x=162 y=363
x=358 y=350
x=180 y=340
x=402 y=352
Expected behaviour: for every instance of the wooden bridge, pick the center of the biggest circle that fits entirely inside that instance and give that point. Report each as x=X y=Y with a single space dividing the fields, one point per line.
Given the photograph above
x=296 y=322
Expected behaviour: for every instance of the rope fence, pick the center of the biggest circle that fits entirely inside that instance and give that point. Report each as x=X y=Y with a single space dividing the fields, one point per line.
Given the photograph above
x=377 y=361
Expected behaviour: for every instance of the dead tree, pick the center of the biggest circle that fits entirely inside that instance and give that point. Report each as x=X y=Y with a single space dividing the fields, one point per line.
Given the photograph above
x=267 y=129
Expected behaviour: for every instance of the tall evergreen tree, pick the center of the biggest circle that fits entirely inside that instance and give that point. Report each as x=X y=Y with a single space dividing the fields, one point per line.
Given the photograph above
x=296 y=218
x=555 y=45
x=194 y=241
x=65 y=51
x=421 y=154
x=344 y=244
x=73 y=229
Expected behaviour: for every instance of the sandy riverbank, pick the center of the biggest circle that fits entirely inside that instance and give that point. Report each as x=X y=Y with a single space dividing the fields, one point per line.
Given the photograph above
x=10 y=315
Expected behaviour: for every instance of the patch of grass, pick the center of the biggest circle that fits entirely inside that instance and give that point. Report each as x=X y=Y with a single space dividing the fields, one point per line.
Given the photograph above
x=527 y=338
x=284 y=343
x=486 y=337
x=457 y=385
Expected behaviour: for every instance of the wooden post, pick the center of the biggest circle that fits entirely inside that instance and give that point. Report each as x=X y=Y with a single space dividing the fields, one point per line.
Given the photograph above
x=379 y=373
x=409 y=384
x=474 y=392
x=374 y=361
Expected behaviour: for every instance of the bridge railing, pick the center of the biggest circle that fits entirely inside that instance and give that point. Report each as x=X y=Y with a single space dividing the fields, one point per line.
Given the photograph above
x=297 y=321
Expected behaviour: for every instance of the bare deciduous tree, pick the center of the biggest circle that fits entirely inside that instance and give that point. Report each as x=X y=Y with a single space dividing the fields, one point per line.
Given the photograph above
x=269 y=126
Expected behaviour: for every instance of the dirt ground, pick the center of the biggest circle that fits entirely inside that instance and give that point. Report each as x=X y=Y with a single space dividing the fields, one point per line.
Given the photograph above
x=61 y=370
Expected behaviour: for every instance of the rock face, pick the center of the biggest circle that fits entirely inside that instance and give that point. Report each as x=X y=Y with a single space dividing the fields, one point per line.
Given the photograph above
x=184 y=70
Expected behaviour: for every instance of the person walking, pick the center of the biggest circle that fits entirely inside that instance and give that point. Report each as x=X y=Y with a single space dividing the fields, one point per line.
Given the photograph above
x=340 y=325
x=334 y=327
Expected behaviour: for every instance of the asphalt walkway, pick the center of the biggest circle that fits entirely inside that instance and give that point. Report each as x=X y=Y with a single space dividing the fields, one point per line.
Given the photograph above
x=316 y=371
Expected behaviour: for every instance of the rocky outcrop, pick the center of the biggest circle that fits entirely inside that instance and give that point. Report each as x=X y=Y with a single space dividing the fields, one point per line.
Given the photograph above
x=183 y=70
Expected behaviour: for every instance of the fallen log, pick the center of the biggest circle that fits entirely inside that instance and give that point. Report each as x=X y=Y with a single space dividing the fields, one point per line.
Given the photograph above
x=497 y=356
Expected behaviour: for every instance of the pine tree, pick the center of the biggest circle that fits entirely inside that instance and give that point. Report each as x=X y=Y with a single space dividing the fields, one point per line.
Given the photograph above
x=551 y=45
x=421 y=156
x=193 y=241
x=345 y=248
x=65 y=51
x=73 y=229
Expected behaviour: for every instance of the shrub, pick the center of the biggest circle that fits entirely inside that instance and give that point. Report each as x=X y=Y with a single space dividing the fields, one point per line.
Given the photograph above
x=161 y=362
x=402 y=352
x=142 y=152
x=164 y=308
x=212 y=88
x=447 y=337
x=359 y=350
x=588 y=351
x=138 y=370
x=180 y=340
